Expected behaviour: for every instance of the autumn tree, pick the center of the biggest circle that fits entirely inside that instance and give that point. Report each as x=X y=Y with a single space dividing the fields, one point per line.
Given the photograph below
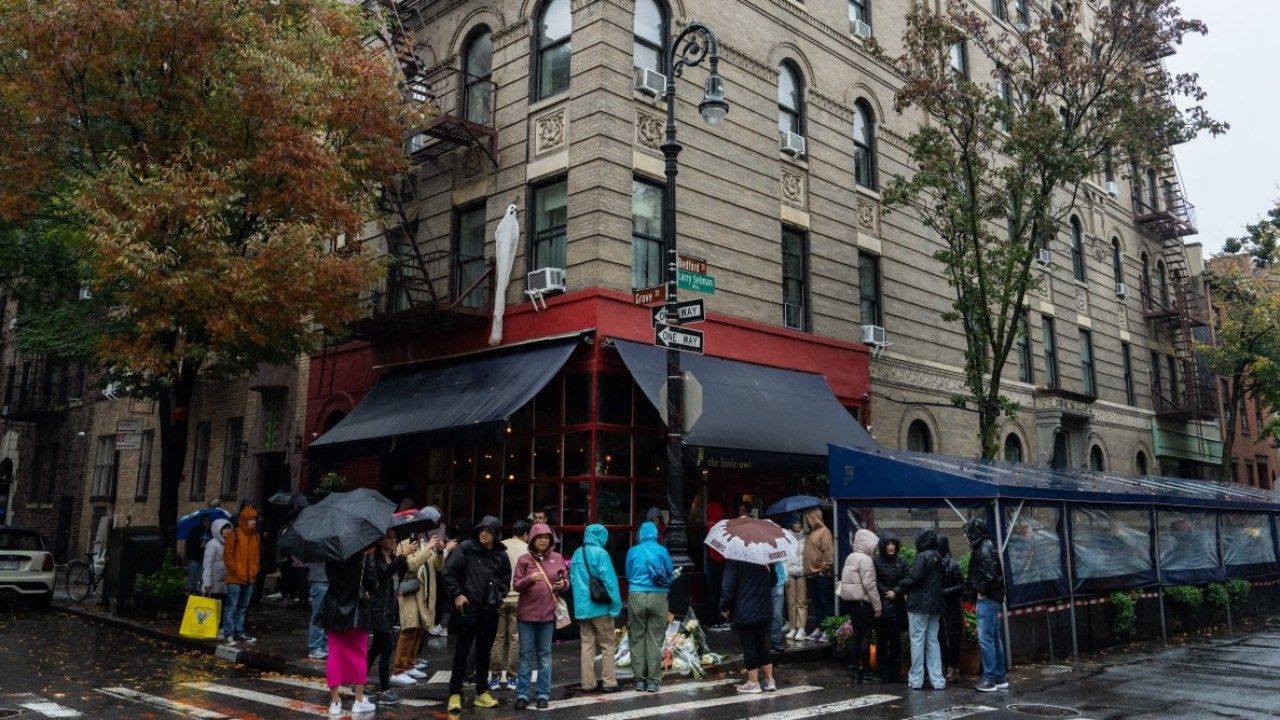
x=1261 y=240
x=193 y=163
x=1015 y=121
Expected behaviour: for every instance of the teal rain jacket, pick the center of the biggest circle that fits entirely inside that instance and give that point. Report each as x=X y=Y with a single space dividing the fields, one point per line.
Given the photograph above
x=647 y=559
x=592 y=560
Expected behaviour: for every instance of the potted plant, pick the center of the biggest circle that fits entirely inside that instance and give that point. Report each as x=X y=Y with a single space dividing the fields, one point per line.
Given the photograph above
x=1187 y=598
x=161 y=594
x=970 y=653
x=838 y=630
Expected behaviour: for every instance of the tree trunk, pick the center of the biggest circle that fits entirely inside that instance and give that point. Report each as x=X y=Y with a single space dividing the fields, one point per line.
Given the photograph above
x=1235 y=398
x=988 y=432
x=174 y=407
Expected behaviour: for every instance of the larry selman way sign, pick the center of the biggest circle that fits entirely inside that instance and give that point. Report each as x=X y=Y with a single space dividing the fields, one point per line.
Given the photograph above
x=678 y=338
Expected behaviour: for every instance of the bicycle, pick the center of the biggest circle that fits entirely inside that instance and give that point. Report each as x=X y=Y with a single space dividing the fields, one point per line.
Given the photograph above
x=82 y=578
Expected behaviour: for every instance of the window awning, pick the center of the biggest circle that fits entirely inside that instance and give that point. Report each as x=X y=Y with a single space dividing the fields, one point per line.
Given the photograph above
x=466 y=399
x=750 y=414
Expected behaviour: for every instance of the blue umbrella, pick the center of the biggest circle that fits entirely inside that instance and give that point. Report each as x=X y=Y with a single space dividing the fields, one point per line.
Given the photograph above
x=189 y=521
x=792 y=504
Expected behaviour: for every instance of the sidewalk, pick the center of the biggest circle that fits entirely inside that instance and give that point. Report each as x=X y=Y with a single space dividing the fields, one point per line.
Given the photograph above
x=281 y=646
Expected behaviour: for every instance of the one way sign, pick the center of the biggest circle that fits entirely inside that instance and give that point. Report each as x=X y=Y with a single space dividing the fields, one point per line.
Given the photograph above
x=689 y=311
x=678 y=339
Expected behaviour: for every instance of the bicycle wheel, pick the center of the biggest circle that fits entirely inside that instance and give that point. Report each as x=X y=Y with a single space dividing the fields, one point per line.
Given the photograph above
x=80 y=580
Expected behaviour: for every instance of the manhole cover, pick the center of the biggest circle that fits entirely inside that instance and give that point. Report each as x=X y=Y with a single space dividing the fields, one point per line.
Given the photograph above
x=1044 y=711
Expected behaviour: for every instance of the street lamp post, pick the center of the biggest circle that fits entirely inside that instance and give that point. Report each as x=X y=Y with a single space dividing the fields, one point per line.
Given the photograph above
x=694 y=44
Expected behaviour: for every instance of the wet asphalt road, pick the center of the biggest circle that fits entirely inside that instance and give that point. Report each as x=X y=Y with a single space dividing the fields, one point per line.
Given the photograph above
x=54 y=665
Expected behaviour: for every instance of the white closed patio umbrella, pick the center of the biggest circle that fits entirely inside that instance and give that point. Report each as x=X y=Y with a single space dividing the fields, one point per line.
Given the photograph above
x=507 y=238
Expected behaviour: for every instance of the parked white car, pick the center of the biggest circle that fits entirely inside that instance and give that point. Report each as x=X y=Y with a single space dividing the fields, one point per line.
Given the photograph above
x=26 y=566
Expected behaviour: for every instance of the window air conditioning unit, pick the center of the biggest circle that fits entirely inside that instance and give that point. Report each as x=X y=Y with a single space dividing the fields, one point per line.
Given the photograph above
x=874 y=335
x=85 y=294
x=792 y=144
x=1122 y=290
x=544 y=281
x=1113 y=188
x=649 y=82
x=861 y=29
x=1044 y=256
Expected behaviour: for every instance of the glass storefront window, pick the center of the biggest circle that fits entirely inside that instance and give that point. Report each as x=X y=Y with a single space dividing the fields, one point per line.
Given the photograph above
x=515 y=501
x=648 y=495
x=546 y=456
x=651 y=456
x=489 y=463
x=569 y=544
x=516 y=461
x=618 y=545
x=546 y=497
x=577 y=454
x=613 y=454
x=546 y=407
x=489 y=501
x=647 y=415
x=464 y=462
x=577 y=498
x=615 y=399
x=577 y=399
x=613 y=503
x=460 y=503
x=522 y=420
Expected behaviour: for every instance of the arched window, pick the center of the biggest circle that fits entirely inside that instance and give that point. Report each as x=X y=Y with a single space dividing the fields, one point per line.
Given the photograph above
x=551 y=49
x=790 y=107
x=1140 y=462
x=864 y=145
x=1162 y=285
x=1077 y=248
x=1013 y=448
x=477 y=77
x=1117 y=266
x=1145 y=279
x=1096 y=461
x=919 y=438
x=650 y=31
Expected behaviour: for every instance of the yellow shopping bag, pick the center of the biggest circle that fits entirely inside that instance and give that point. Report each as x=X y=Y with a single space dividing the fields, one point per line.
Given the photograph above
x=201 y=617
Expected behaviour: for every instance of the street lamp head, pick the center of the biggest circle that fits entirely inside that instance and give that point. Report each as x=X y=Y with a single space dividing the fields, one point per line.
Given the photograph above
x=713 y=106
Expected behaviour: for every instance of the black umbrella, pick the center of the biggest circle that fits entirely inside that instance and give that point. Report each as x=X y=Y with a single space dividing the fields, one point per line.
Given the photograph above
x=409 y=522
x=289 y=499
x=339 y=526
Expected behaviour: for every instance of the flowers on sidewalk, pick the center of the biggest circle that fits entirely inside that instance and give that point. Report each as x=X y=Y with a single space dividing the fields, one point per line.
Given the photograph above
x=685 y=650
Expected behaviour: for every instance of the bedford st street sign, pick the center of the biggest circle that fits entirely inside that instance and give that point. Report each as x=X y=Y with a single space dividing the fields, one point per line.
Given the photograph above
x=678 y=338
x=689 y=311
x=688 y=263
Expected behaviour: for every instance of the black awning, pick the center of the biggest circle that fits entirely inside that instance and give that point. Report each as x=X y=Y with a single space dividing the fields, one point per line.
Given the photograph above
x=749 y=411
x=465 y=399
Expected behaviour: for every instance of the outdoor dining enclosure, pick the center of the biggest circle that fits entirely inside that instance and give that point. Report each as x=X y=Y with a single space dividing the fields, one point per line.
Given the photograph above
x=1076 y=544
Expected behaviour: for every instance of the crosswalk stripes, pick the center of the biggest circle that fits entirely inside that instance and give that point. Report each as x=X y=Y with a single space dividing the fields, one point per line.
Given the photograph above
x=346 y=691
x=43 y=706
x=954 y=713
x=829 y=708
x=173 y=706
x=700 y=704
x=634 y=694
x=284 y=703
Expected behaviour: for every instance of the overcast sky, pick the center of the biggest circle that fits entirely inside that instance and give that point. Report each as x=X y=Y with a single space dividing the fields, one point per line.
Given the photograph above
x=1234 y=178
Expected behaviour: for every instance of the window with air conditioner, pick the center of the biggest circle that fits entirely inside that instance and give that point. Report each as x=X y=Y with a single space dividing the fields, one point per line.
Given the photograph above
x=860 y=17
x=550 y=221
x=790 y=109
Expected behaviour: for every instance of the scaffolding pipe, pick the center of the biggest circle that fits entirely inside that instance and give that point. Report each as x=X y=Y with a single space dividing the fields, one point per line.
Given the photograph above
x=1004 y=602
x=1071 y=580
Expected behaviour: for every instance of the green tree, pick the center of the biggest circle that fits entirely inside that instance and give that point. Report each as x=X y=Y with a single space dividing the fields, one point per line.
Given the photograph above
x=999 y=163
x=1261 y=240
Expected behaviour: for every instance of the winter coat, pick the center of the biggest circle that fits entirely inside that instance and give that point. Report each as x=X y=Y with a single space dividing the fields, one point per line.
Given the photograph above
x=346 y=603
x=243 y=553
x=795 y=561
x=418 y=609
x=819 y=550
x=952 y=594
x=644 y=559
x=592 y=560
x=381 y=578
x=923 y=583
x=858 y=577
x=214 y=578
x=515 y=548
x=747 y=592
x=986 y=575
x=890 y=569
x=538 y=596
x=478 y=573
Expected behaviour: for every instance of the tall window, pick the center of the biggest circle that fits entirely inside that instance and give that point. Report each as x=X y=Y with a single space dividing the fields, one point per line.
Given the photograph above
x=550 y=217
x=104 y=467
x=1000 y=8
x=469 y=260
x=795 y=279
x=231 y=457
x=869 y=289
x=650 y=32
x=200 y=464
x=1023 y=14
x=1050 y=353
x=1004 y=87
x=864 y=145
x=1108 y=168
x=1153 y=191
x=1025 y=363
x=860 y=12
x=1173 y=377
x=552 y=51
x=790 y=109
x=959 y=60
x=477 y=77
x=919 y=437
x=1126 y=359
x=1096 y=462
x=1157 y=381
x=1013 y=448
x=1087 y=368
x=646 y=234
x=144 y=464
x=1140 y=463
x=1077 y=248
x=1145 y=280
x=1162 y=285
x=1117 y=266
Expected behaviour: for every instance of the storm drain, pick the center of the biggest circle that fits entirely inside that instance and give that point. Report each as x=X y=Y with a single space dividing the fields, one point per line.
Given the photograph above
x=1044 y=711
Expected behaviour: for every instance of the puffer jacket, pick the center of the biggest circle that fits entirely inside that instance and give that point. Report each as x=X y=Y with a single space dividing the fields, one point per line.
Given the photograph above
x=592 y=560
x=923 y=583
x=819 y=551
x=986 y=576
x=538 y=595
x=890 y=569
x=243 y=551
x=481 y=574
x=747 y=592
x=214 y=578
x=858 y=577
x=418 y=609
x=646 y=557
x=795 y=561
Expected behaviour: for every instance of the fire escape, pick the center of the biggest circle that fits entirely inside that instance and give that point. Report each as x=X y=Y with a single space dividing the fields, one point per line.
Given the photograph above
x=37 y=388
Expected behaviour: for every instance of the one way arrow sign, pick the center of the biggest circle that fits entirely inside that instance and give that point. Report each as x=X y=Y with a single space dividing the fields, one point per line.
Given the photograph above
x=689 y=311
x=678 y=338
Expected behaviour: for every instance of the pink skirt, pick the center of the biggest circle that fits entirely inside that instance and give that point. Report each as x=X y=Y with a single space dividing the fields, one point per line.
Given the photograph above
x=348 y=655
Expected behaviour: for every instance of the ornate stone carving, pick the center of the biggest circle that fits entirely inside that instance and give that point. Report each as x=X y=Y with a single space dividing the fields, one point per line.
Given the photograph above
x=793 y=190
x=1122 y=317
x=511 y=33
x=915 y=377
x=1103 y=416
x=472 y=163
x=649 y=129
x=1082 y=300
x=831 y=105
x=734 y=56
x=869 y=216
x=549 y=132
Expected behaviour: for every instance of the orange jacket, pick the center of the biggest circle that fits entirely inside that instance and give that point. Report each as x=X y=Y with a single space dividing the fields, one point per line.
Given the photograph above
x=243 y=548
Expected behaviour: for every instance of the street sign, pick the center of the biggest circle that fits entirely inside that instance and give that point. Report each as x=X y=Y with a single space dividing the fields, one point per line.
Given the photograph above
x=129 y=434
x=692 y=264
x=689 y=311
x=692 y=401
x=678 y=339
x=649 y=296
x=696 y=281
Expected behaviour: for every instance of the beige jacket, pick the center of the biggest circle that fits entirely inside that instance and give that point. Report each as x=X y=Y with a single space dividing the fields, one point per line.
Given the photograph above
x=418 y=610
x=858 y=578
x=819 y=551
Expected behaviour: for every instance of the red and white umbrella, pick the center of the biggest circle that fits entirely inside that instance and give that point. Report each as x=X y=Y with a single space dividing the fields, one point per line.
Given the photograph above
x=760 y=542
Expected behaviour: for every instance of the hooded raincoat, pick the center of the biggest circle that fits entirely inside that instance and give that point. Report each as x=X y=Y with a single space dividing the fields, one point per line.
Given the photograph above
x=592 y=560
x=648 y=563
x=923 y=583
x=243 y=550
x=537 y=598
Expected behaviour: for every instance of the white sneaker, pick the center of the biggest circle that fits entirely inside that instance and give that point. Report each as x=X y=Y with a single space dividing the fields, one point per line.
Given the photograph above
x=787 y=629
x=439 y=631
x=798 y=635
x=335 y=709
x=816 y=636
x=748 y=687
x=362 y=706
x=402 y=680
x=416 y=674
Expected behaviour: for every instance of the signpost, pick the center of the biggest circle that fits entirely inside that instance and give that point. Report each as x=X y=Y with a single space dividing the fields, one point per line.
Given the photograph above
x=129 y=434
x=690 y=311
x=649 y=296
x=688 y=280
x=688 y=263
x=676 y=338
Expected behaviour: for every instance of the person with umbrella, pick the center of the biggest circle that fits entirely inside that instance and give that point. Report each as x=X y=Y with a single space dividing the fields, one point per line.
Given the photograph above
x=476 y=577
x=346 y=620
